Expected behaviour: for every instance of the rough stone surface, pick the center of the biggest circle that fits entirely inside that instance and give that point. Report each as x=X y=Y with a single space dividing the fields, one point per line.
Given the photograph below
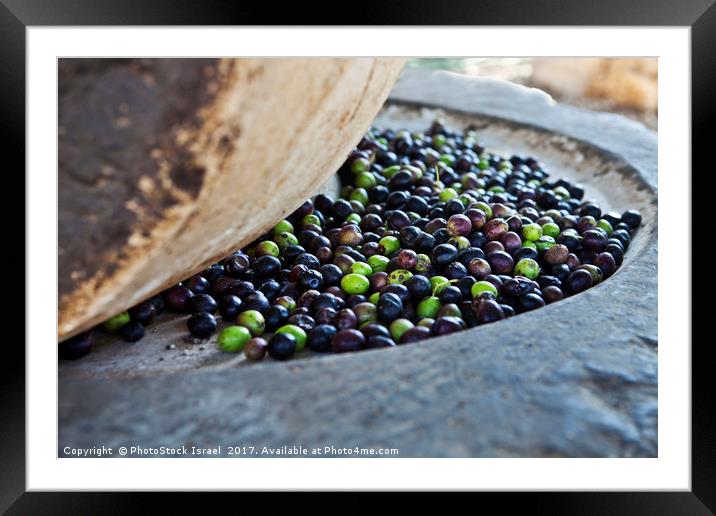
x=573 y=379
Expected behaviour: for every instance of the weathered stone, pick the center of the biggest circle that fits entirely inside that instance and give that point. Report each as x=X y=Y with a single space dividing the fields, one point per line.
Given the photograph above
x=573 y=379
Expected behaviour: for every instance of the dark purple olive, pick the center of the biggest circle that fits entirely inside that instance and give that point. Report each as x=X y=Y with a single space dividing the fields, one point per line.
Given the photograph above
x=132 y=331
x=75 y=347
x=399 y=290
x=458 y=225
x=398 y=220
x=406 y=259
x=515 y=224
x=256 y=301
x=477 y=217
x=345 y=319
x=281 y=346
x=144 y=312
x=197 y=284
x=303 y=321
x=274 y=317
x=479 y=268
x=201 y=303
x=374 y=330
x=307 y=299
x=631 y=218
x=229 y=307
x=319 y=338
x=418 y=287
x=390 y=307
x=176 y=298
x=530 y=301
x=347 y=340
x=487 y=311
x=594 y=240
x=450 y=295
x=201 y=325
x=266 y=266
x=517 y=286
x=578 y=281
x=500 y=262
x=573 y=261
x=379 y=341
x=236 y=265
x=552 y=294
x=617 y=253
x=511 y=241
x=255 y=349
x=238 y=288
x=443 y=254
x=414 y=335
x=495 y=228
x=495 y=280
x=606 y=263
x=325 y=300
x=446 y=325
x=158 y=302
x=378 y=281
x=493 y=247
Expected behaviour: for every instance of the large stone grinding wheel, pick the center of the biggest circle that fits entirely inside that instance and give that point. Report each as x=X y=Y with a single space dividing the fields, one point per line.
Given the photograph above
x=167 y=165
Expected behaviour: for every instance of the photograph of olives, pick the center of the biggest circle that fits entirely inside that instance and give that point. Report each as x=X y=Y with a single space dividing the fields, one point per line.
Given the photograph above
x=246 y=218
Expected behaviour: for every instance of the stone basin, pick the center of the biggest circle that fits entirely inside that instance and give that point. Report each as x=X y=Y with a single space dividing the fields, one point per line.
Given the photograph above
x=574 y=379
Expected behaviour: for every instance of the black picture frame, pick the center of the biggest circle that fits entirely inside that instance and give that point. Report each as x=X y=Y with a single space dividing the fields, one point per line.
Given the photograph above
x=17 y=15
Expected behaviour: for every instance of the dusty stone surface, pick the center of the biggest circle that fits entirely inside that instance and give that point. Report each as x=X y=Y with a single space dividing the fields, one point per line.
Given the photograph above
x=573 y=379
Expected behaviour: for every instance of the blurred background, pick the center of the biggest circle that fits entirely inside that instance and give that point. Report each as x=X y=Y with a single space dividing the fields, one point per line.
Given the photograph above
x=627 y=86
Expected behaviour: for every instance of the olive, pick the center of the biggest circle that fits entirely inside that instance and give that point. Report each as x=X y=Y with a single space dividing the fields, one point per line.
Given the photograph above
x=177 y=297
x=500 y=262
x=450 y=295
x=444 y=254
x=374 y=329
x=75 y=347
x=594 y=240
x=201 y=303
x=631 y=218
x=144 y=312
x=319 y=338
x=266 y=266
x=255 y=349
x=347 y=340
x=256 y=301
x=446 y=325
x=390 y=307
x=488 y=311
x=198 y=284
x=275 y=317
x=415 y=334
x=345 y=319
x=552 y=294
x=236 y=265
x=281 y=346
x=517 y=286
x=418 y=287
x=379 y=341
x=303 y=321
x=530 y=301
x=578 y=281
x=200 y=325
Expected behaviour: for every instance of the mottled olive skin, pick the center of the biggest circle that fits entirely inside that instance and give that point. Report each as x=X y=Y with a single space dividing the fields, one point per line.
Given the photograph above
x=255 y=349
x=495 y=228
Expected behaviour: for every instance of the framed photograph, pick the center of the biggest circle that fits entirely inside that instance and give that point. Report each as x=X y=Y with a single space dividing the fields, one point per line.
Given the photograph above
x=420 y=258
